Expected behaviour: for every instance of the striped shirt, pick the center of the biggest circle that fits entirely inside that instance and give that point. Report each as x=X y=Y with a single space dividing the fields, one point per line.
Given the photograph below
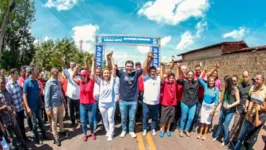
x=14 y=89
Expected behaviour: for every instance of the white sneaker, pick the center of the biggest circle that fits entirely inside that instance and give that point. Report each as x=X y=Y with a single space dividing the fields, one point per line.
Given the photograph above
x=144 y=133
x=110 y=138
x=123 y=134
x=153 y=132
x=133 y=135
x=214 y=139
x=222 y=145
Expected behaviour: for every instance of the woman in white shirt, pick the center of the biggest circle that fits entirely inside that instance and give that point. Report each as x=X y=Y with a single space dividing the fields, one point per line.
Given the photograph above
x=107 y=98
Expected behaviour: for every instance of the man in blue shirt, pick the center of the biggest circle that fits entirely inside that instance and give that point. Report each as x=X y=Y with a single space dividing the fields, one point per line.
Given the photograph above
x=128 y=89
x=54 y=103
x=33 y=104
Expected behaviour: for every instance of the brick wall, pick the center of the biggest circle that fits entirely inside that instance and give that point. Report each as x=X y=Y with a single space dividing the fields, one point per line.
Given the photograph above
x=235 y=63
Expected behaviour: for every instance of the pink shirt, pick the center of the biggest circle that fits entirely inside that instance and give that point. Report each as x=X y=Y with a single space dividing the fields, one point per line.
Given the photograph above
x=218 y=84
x=21 y=81
x=86 y=92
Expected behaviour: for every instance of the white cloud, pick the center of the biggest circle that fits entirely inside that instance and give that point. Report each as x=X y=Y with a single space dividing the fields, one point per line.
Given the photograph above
x=61 y=4
x=187 y=39
x=86 y=34
x=46 y=38
x=143 y=49
x=236 y=34
x=36 y=42
x=165 y=40
x=174 y=11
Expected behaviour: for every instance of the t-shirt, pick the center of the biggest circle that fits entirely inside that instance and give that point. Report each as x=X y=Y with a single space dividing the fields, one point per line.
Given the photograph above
x=190 y=91
x=218 y=84
x=86 y=92
x=140 y=84
x=169 y=94
x=243 y=92
x=253 y=133
x=96 y=91
x=107 y=91
x=258 y=95
x=128 y=88
x=72 y=87
x=210 y=95
x=152 y=87
x=21 y=81
x=201 y=90
x=63 y=82
x=31 y=88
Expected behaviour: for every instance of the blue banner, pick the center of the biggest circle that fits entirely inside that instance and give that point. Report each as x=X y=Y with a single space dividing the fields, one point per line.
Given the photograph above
x=156 y=56
x=99 y=55
x=130 y=40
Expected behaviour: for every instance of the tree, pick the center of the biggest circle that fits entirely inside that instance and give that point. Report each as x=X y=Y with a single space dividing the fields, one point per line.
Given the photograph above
x=18 y=41
x=48 y=54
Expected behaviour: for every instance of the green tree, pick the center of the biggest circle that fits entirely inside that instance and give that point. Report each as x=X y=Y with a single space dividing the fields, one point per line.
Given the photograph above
x=18 y=41
x=48 y=54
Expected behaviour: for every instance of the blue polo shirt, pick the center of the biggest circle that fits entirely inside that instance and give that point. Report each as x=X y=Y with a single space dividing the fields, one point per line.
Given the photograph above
x=31 y=88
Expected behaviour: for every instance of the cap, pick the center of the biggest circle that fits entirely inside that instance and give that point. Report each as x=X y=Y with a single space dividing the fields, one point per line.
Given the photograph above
x=84 y=73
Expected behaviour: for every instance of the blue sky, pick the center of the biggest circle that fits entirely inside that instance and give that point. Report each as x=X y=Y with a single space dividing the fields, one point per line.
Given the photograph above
x=183 y=25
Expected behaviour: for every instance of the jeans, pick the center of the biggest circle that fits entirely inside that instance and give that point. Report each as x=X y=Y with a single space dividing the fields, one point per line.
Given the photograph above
x=108 y=115
x=243 y=132
x=74 y=109
x=188 y=113
x=95 y=119
x=20 y=116
x=128 y=108
x=150 y=111
x=37 y=114
x=87 y=115
x=196 y=118
x=178 y=115
x=224 y=120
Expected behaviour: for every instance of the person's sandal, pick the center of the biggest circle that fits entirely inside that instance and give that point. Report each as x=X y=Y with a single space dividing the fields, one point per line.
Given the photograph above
x=204 y=137
x=187 y=133
x=181 y=134
x=198 y=137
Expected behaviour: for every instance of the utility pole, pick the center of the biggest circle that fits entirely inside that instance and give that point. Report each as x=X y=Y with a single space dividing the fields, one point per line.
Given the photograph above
x=11 y=7
x=80 y=45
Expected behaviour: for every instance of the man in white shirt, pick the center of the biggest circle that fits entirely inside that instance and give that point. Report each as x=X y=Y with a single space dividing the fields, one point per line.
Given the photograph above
x=151 y=96
x=73 y=93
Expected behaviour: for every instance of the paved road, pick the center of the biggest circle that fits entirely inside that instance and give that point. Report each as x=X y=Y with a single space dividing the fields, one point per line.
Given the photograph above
x=140 y=143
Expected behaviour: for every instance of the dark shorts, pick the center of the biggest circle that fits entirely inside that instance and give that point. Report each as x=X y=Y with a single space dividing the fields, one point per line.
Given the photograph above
x=167 y=114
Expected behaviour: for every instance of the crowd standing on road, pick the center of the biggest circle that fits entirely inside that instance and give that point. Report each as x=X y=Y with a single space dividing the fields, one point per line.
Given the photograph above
x=179 y=98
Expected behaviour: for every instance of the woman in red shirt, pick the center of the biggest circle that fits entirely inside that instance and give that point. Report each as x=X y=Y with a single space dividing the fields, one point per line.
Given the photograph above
x=87 y=102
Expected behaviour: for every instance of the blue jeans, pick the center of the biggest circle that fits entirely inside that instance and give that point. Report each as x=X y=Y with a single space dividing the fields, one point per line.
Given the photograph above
x=95 y=119
x=150 y=111
x=188 y=113
x=37 y=114
x=224 y=120
x=87 y=115
x=243 y=132
x=128 y=108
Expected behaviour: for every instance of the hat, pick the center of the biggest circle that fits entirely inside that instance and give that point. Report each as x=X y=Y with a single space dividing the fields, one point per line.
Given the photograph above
x=84 y=73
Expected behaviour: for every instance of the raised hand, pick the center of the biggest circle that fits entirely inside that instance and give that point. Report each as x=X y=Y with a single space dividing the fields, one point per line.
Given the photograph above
x=178 y=65
x=205 y=69
x=78 y=66
x=173 y=58
x=86 y=58
x=216 y=65
x=110 y=54
x=63 y=59
x=150 y=55
x=93 y=59
x=162 y=63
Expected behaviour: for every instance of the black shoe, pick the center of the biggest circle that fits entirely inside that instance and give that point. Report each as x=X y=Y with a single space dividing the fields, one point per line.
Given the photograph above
x=57 y=142
x=45 y=138
x=37 y=141
x=65 y=134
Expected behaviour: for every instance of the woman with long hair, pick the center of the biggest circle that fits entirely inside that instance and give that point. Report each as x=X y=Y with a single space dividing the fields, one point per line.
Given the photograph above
x=107 y=97
x=87 y=102
x=209 y=104
x=214 y=73
x=229 y=100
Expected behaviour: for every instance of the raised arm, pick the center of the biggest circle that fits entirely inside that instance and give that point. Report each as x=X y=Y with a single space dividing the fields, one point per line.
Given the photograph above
x=146 y=63
x=111 y=61
x=93 y=69
x=162 y=72
x=86 y=65
x=63 y=62
x=172 y=64
x=216 y=66
x=75 y=73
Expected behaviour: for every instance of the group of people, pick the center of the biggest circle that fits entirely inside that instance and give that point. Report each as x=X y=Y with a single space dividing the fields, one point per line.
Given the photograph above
x=173 y=96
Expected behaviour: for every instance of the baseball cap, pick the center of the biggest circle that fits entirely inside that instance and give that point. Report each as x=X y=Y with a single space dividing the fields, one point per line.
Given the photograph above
x=84 y=73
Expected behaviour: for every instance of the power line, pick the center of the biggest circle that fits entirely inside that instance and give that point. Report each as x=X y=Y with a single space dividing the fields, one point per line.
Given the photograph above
x=263 y=20
x=89 y=10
